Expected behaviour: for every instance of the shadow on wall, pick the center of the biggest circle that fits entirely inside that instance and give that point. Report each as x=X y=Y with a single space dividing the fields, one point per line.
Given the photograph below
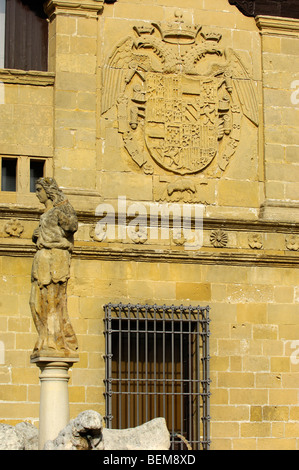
x=283 y=8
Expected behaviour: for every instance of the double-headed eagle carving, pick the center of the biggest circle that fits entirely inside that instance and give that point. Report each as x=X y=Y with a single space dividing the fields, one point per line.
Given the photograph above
x=180 y=97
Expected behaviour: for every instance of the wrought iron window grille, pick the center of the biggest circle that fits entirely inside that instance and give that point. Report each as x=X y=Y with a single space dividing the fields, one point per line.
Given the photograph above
x=157 y=364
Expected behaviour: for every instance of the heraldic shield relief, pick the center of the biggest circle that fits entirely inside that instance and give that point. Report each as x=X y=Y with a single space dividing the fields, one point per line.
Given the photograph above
x=179 y=96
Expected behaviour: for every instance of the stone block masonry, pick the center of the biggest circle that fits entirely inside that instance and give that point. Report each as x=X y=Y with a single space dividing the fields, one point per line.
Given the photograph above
x=131 y=108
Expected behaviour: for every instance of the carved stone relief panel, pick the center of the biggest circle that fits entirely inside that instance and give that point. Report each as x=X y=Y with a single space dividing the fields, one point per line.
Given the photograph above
x=184 y=189
x=180 y=97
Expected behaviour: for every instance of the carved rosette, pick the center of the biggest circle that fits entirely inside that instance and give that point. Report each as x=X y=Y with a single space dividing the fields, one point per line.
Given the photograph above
x=98 y=232
x=178 y=237
x=14 y=228
x=219 y=238
x=292 y=242
x=138 y=233
x=255 y=241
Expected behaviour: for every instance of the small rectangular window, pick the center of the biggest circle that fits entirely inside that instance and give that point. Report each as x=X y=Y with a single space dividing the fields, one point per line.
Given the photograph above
x=36 y=171
x=9 y=174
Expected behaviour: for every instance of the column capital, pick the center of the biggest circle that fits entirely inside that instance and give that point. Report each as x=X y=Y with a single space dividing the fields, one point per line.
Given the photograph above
x=72 y=7
x=278 y=25
x=42 y=360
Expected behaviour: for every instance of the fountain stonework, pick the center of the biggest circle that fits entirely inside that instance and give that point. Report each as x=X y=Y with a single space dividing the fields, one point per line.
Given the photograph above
x=56 y=349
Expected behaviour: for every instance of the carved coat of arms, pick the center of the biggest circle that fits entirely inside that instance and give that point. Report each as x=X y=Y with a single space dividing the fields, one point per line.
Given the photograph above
x=179 y=96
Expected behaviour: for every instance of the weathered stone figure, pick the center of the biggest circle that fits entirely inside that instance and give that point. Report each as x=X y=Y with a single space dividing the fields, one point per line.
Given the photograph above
x=54 y=239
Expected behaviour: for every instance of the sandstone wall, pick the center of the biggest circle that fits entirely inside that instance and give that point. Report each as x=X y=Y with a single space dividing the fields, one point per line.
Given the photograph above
x=246 y=269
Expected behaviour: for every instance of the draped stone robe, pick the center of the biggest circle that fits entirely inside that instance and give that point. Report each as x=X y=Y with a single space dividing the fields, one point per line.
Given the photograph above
x=54 y=239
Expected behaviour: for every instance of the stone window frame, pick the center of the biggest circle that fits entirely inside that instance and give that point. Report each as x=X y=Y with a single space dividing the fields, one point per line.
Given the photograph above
x=156 y=362
x=23 y=171
x=31 y=78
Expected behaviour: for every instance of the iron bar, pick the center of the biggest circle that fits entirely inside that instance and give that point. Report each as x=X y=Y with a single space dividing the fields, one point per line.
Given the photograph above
x=181 y=375
x=163 y=363
x=155 y=361
x=146 y=369
x=129 y=370
x=119 y=369
x=137 y=365
x=157 y=364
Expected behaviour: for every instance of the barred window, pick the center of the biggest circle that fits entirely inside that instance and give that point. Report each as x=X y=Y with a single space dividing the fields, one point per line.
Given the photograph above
x=157 y=364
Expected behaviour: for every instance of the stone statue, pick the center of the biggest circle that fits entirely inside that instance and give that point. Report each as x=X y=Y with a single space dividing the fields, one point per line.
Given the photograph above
x=54 y=239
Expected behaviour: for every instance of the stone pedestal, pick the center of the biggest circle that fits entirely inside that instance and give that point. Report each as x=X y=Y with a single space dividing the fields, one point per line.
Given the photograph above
x=54 y=397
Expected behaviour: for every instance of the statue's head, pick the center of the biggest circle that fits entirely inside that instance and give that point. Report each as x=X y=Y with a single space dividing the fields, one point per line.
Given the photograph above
x=51 y=189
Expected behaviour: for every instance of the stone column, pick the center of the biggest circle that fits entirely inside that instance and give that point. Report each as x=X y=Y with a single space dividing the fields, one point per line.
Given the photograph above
x=54 y=399
x=73 y=57
x=280 y=44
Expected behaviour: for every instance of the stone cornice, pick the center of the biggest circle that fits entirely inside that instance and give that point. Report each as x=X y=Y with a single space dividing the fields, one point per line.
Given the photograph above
x=204 y=256
x=280 y=26
x=8 y=211
x=71 y=7
x=279 y=210
x=22 y=77
x=248 y=242
x=19 y=212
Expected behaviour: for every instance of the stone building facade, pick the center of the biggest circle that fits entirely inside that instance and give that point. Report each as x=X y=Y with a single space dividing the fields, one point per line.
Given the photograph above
x=158 y=104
